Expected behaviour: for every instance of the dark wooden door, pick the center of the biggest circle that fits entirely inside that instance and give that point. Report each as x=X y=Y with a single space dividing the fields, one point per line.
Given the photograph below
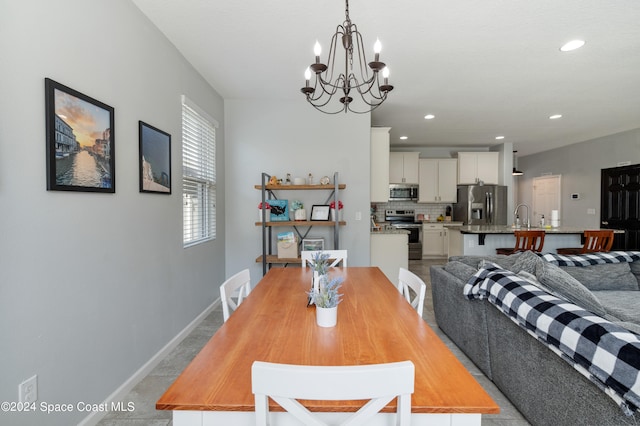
x=620 y=205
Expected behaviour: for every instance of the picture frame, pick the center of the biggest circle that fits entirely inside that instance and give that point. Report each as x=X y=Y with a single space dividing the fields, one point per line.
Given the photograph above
x=279 y=210
x=313 y=244
x=80 y=141
x=154 y=159
x=320 y=212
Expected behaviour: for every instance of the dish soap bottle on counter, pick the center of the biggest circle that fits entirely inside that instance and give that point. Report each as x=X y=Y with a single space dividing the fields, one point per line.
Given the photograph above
x=542 y=221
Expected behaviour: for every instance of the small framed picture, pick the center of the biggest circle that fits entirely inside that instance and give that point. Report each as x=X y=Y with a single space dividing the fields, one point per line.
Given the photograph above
x=313 y=244
x=155 y=159
x=279 y=210
x=320 y=212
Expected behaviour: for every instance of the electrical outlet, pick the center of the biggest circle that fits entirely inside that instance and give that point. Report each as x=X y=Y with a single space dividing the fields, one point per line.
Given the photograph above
x=28 y=390
x=358 y=215
x=591 y=211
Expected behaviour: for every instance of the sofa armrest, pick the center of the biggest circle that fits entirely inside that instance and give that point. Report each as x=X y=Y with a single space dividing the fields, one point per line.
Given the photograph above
x=463 y=320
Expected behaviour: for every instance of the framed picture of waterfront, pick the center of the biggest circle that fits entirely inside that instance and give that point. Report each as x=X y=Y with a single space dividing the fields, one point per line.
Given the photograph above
x=80 y=142
x=155 y=159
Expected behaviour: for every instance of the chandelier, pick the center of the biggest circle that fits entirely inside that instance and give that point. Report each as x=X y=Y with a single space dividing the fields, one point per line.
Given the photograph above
x=360 y=79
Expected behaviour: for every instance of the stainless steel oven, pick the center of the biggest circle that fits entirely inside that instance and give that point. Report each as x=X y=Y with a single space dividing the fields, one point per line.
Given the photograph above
x=400 y=192
x=405 y=219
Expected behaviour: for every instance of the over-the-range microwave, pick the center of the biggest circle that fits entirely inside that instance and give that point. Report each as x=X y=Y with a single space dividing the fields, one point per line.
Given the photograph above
x=403 y=192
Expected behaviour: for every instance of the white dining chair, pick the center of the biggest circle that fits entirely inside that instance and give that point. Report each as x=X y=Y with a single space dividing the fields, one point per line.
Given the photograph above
x=238 y=286
x=409 y=283
x=379 y=383
x=337 y=257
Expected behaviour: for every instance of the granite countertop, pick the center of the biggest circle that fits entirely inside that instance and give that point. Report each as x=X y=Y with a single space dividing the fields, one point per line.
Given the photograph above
x=508 y=229
x=390 y=231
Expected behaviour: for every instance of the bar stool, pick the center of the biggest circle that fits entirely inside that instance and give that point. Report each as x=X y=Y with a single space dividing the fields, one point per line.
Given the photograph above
x=525 y=240
x=594 y=241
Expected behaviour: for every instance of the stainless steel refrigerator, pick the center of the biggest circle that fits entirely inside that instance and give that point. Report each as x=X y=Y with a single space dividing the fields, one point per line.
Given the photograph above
x=481 y=205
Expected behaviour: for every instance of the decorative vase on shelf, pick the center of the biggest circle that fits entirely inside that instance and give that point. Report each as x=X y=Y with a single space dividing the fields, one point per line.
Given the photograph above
x=333 y=215
x=327 y=317
x=300 y=214
x=266 y=212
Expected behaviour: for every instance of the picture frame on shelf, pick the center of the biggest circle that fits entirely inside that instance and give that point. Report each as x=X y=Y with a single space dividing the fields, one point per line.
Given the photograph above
x=313 y=244
x=279 y=210
x=79 y=141
x=320 y=212
x=155 y=159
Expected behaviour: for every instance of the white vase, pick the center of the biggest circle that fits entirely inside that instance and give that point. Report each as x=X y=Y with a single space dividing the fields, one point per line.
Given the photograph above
x=327 y=317
x=333 y=215
x=300 y=214
x=266 y=212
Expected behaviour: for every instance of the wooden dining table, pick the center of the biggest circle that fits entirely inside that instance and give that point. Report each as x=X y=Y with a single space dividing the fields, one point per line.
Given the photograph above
x=375 y=325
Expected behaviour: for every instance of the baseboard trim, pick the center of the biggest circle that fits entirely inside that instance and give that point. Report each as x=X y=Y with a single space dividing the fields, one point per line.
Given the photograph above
x=119 y=394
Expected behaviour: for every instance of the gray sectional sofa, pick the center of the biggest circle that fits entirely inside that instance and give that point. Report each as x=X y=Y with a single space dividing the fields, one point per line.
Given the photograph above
x=546 y=388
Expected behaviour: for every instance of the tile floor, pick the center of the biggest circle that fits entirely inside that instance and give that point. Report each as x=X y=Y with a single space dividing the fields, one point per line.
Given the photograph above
x=145 y=394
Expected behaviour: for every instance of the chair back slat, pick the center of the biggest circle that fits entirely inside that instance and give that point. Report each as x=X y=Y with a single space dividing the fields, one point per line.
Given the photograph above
x=409 y=283
x=529 y=240
x=238 y=286
x=597 y=241
x=336 y=257
x=378 y=383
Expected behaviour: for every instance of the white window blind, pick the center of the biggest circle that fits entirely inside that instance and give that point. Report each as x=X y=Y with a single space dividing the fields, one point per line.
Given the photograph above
x=198 y=174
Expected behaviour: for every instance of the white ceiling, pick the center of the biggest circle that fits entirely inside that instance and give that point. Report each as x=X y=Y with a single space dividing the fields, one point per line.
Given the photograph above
x=483 y=68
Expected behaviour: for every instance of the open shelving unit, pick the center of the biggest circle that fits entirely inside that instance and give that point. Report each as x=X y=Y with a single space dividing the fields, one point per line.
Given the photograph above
x=302 y=228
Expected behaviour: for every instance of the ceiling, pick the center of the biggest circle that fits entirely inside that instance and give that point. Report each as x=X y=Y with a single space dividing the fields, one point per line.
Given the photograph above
x=483 y=68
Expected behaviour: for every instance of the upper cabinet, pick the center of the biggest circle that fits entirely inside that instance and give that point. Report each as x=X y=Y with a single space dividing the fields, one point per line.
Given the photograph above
x=379 y=164
x=403 y=167
x=438 y=180
x=478 y=166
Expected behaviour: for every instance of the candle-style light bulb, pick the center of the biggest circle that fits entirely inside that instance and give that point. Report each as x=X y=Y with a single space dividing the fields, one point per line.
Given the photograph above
x=307 y=75
x=385 y=74
x=317 y=50
x=377 y=47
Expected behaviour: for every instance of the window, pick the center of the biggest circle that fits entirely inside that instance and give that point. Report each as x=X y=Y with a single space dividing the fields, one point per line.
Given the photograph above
x=198 y=174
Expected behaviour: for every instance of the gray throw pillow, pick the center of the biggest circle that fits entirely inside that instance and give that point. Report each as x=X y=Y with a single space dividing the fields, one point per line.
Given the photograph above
x=564 y=285
x=607 y=276
x=460 y=270
x=527 y=261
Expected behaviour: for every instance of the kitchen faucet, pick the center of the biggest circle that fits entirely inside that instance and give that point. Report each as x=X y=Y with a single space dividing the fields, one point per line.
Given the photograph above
x=515 y=213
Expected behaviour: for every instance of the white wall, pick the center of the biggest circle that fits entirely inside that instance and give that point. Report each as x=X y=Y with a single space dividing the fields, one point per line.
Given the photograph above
x=580 y=166
x=279 y=137
x=93 y=285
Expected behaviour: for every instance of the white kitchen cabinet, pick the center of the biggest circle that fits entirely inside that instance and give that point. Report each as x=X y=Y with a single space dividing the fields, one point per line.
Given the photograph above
x=390 y=252
x=379 y=164
x=403 y=167
x=438 y=178
x=478 y=166
x=435 y=240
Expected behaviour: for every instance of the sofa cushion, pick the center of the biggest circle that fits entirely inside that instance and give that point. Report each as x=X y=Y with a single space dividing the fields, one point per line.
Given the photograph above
x=460 y=270
x=608 y=276
x=635 y=270
x=565 y=286
x=621 y=304
x=505 y=262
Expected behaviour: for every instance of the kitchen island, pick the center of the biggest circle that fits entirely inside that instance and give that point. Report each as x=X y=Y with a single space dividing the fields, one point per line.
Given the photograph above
x=485 y=239
x=390 y=251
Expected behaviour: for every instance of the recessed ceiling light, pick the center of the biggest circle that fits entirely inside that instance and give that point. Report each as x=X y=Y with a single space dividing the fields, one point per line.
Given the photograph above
x=572 y=45
x=499 y=137
x=404 y=138
x=429 y=117
x=555 y=116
